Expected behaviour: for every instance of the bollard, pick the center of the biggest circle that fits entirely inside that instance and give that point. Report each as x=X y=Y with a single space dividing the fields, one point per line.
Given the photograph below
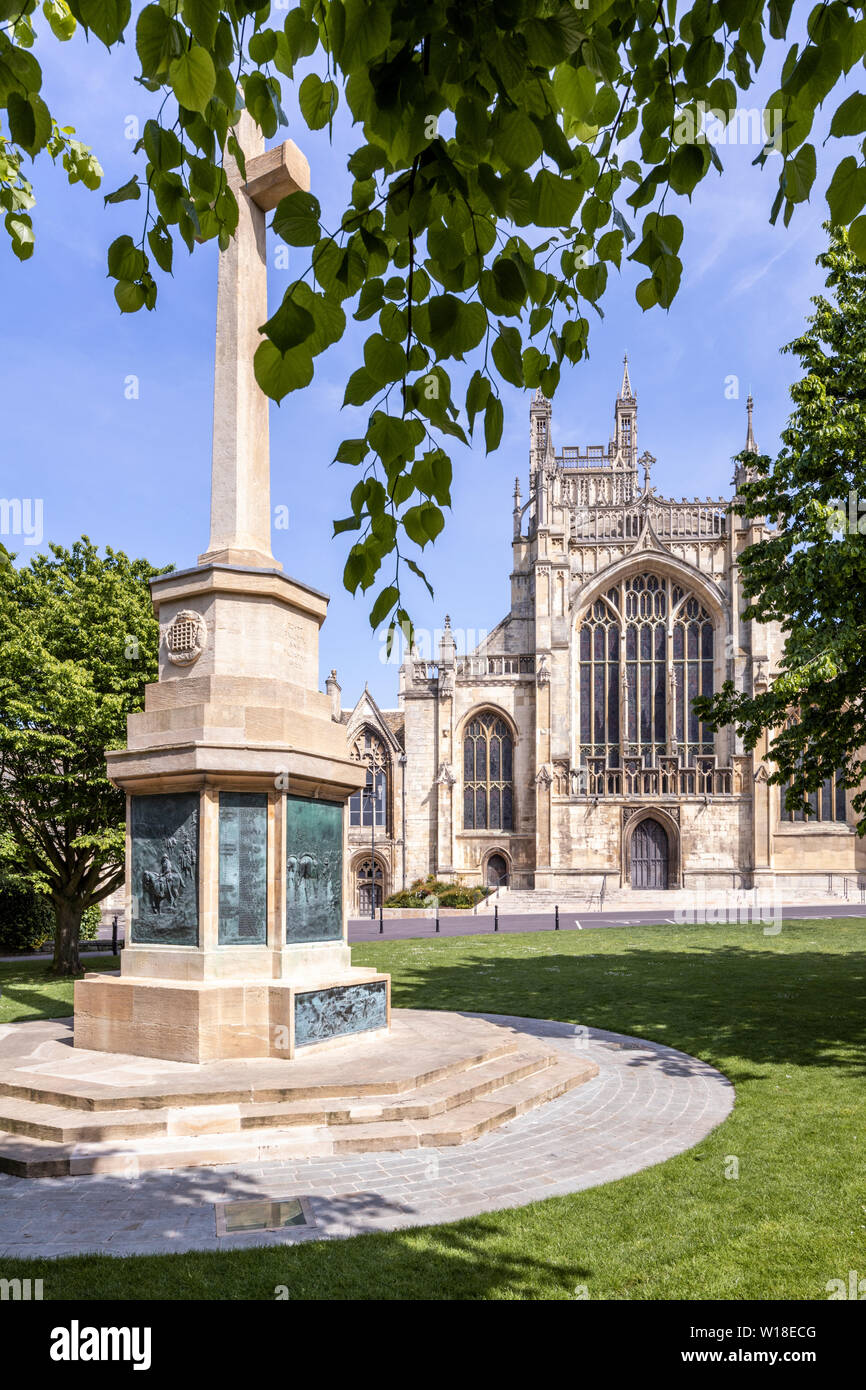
x=556 y=911
x=496 y=916
x=114 y=936
x=437 y=916
x=381 y=919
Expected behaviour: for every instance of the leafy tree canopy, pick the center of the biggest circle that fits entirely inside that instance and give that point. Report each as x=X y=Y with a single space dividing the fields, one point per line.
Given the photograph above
x=807 y=572
x=488 y=197
x=78 y=644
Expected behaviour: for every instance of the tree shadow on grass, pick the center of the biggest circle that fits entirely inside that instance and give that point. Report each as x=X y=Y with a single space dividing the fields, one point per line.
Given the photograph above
x=807 y=1008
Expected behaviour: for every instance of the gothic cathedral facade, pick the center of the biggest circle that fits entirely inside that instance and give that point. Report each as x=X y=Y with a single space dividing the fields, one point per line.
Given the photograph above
x=562 y=754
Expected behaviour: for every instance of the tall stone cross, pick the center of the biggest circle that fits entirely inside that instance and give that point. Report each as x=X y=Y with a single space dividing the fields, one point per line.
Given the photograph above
x=240 y=526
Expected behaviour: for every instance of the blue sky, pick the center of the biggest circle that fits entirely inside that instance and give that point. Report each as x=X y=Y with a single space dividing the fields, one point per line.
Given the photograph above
x=134 y=474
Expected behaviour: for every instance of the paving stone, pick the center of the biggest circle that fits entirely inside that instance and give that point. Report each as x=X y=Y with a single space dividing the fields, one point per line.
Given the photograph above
x=647 y=1103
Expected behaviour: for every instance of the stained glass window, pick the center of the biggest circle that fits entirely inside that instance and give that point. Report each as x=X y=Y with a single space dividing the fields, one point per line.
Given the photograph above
x=645 y=650
x=371 y=803
x=488 y=761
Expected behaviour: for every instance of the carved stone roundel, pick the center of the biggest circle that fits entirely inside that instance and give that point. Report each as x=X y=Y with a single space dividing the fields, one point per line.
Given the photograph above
x=186 y=637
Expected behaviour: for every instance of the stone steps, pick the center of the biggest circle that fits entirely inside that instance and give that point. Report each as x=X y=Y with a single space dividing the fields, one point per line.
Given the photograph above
x=61 y=1125
x=474 y=1104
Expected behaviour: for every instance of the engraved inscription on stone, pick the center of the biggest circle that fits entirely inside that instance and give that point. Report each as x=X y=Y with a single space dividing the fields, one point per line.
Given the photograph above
x=243 y=872
x=330 y=1013
x=314 y=870
x=164 y=832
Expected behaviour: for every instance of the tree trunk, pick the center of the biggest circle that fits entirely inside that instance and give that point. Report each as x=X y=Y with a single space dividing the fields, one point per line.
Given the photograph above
x=68 y=912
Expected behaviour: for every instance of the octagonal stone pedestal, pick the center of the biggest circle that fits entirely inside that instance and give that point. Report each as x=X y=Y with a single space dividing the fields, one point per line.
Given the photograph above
x=237 y=779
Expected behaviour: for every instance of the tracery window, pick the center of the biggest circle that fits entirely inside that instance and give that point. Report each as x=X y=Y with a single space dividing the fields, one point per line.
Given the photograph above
x=828 y=802
x=369 y=806
x=488 y=773
x=645 y=650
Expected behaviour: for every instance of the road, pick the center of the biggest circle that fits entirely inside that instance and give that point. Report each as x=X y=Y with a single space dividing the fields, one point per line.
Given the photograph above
x=408 y=928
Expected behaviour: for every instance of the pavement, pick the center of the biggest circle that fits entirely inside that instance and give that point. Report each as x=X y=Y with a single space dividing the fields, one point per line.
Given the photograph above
x=647 y=1103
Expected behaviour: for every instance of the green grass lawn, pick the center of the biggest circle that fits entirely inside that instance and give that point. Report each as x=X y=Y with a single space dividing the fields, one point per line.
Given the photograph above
x=783 y=1016
x=28 y=991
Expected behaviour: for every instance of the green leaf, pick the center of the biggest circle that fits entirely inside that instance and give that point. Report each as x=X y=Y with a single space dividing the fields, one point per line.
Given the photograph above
x=126 y=261
x=574 y=89
x=201 y=17
x=799 y=174
x=384 y=360
x=508 y=355
x=163 y=148
x=62 y=21
x=290 y=325
x=476 y=396
x=352 y=451
x=393 y=438
x=453 y=327
x=646 y=294
x=22 y=121
x=850 y=117
x=153 y=40
x=279 y=373
x=20 y=229
x=261 y=103
x=494 y=419
x=857 y=237
x=263 y=46
x=128 y=192
x=317 y=100
x=518 y=140
x=366 y=35
x=107 y=19
x=360 y=387
x=161 y=246
x=423 y=523
x=687 y=168
x=296 y=219
x=847 y=192
x=193 y=78
x=385 y=601
x=554 y=200
x=130 y=297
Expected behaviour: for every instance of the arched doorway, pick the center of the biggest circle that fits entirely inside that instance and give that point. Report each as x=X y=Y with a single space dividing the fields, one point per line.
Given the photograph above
x=650 y=855
x=370 y=885
x=496 y=872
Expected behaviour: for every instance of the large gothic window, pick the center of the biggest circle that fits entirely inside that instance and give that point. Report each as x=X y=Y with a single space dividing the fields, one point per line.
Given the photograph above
x=827 y=803
x=488 y=758
x=369 y=807
x=645 y=650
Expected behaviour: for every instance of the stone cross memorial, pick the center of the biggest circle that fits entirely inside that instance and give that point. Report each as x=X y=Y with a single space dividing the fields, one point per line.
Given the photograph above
x=236 y=774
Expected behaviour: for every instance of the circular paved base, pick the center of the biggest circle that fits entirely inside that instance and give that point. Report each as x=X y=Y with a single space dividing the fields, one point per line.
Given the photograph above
x=647 y=1103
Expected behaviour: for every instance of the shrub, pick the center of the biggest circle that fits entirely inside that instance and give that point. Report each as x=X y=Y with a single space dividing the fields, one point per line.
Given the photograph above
x=90 y=922
x=449 y=894
x=26 y=919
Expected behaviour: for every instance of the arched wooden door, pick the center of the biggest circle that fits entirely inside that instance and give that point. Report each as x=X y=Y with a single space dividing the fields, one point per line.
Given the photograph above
x=497 y=871
x=649 y=855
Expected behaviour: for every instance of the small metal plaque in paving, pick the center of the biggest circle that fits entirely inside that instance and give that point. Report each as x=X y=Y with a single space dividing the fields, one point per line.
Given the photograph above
x=262 y=1214
x=314 y=869
x=243 y=902
x=164 y=831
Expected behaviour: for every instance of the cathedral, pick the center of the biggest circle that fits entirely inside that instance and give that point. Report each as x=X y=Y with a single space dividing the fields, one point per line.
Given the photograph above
x=562 y=754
